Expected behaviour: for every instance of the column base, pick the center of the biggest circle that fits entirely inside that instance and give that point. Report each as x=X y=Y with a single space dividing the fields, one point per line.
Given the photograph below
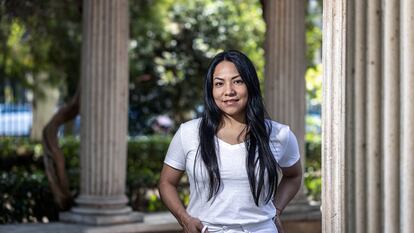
x=101 y=210
x=100 y=219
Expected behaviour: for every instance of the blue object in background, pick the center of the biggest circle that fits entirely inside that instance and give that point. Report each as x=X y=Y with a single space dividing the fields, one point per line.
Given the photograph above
x=15 y=119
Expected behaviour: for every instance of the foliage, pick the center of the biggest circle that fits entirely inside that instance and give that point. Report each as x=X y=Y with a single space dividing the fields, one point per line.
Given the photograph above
x=313 y=78
x=15 y=146
x=70 y=149
x=313 y=184
x=43 y=36
x=145 y=159
x=313 y=132
x=314 y=32
x=25 y=197
x=312 y=175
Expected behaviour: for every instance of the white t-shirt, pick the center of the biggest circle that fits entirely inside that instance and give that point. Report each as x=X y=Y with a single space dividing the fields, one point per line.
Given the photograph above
x=234 y=203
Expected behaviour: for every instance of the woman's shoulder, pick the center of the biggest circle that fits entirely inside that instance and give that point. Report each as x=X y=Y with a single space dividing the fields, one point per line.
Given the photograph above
x=188 y=132
x=190 y=127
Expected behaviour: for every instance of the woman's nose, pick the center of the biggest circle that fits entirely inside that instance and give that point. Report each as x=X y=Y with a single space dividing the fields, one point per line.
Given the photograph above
x=229 y=90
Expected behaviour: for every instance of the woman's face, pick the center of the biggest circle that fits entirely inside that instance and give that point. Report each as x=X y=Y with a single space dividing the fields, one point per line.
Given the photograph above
x=229 y=90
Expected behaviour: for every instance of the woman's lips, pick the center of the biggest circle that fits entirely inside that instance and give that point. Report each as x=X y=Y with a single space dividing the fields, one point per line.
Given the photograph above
x=231 y=102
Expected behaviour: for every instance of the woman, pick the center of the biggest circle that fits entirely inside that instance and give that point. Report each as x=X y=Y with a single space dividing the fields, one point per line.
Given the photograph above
x=231 y=156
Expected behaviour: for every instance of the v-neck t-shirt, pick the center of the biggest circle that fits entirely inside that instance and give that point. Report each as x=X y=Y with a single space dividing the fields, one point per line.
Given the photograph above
x=234 y=203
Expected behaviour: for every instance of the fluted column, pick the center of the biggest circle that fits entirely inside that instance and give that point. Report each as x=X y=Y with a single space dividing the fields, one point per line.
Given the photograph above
x=384 y=113
x=407 y=126
x=104 y=106
x=333 y=116
x=391 y=115
x=285 y=67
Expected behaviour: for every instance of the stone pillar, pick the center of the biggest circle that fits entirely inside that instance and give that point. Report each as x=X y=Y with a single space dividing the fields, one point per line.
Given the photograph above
x=391 y=116
x=104 y=106
x=407 y=126
x=386 y=174
x=333 y=116
x=285 y=68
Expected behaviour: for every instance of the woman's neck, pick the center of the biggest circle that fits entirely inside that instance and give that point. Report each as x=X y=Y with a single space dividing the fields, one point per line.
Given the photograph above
x=232 y=131
x=233 y=122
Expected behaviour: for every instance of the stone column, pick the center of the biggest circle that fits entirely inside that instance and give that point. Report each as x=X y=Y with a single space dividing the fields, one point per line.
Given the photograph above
x=104 y=106
x=407 y=126
x=285 y=68
x=391 y=116
x=383 y=118
x=333 y=116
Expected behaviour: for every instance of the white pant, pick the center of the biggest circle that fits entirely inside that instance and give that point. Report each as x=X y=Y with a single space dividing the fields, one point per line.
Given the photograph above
x=263 y=227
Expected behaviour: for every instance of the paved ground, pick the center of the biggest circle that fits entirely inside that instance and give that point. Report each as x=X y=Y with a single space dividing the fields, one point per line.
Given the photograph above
x=160 y=222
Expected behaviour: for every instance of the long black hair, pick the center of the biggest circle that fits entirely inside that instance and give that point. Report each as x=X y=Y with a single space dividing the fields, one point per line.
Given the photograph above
x=261 y=166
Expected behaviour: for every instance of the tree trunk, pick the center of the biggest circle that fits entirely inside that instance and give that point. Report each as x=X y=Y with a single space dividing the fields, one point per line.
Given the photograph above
x=54 y=159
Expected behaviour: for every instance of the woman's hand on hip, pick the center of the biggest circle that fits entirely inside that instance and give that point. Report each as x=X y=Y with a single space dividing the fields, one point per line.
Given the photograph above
x=192 y=225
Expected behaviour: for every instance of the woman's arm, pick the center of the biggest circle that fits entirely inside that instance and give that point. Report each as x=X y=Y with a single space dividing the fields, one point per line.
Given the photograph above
x=169 y=180
x=287 y=189
x=288 y=186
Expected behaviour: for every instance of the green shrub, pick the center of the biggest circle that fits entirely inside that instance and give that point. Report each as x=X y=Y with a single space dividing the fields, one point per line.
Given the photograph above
x=312 y=176
x=11 y=147
x=313 y=183
x=26 y=198
x=70 y=149
x=145 y=160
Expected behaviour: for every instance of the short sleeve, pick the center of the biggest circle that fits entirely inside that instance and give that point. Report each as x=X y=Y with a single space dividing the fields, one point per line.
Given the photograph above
x=284 y=145
x=175 y=155
x=290 y=154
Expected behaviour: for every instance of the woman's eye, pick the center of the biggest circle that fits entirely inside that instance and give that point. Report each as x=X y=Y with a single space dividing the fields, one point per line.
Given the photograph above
x=239 y=81
x=218 y=84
